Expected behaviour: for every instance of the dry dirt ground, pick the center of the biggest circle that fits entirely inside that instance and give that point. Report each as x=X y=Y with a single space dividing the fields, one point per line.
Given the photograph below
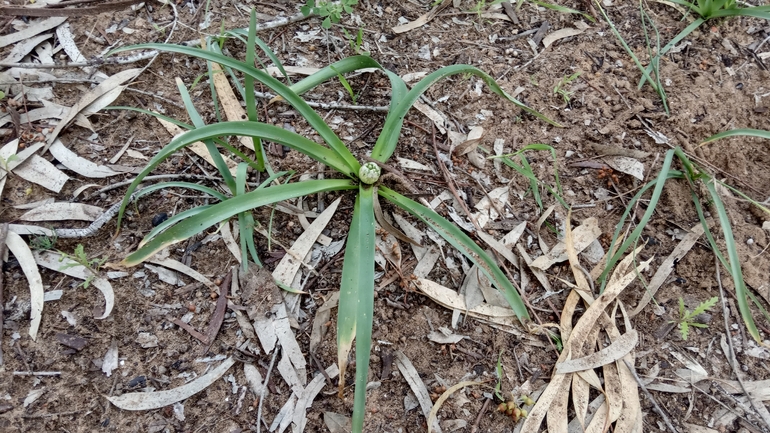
x=715 y=82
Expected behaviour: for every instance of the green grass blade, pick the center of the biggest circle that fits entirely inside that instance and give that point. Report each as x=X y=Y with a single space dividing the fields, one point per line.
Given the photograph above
x=645 y=71
x=240 y=128
x=356 y=302
x=304 y=110
x=230 y=207
x=179 y=184
x=683 y=34
x=171 y=221
x=245 y=222
x=563 y=9
x=251 y=101
x=659 y=182
x=391 y=131
x=734 y=263
x=197 y=120
x=265 y=49
x=756 y=12
x=458 y=239
x=344 y=66
x=347 y=86
x=745 y=132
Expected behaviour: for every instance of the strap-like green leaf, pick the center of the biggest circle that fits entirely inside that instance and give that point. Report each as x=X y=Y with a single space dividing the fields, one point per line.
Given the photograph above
x=356 y=302
x=240 y=128
x=386 y=143
x=465 y=245
x=304 y=110
x=226 y=209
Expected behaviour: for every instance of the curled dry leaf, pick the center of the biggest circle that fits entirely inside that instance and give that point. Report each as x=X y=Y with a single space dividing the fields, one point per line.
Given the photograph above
x=23 y=254
x=159 y=399
x=55 y=262
x=626 y=165
x=78 y=164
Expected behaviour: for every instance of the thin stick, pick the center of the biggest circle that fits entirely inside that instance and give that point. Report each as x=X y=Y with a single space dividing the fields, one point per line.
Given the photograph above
x=475 y=426
x=759 y=413
x=450 y=183
x=146 y=54
x=3 y=236
x=262 y=393
x=650 y=397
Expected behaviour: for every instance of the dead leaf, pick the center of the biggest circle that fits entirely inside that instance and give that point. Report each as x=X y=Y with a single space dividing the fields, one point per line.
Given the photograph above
x=291 y=262
x=91 y=96
x=560 y=34
x=26 y=260
x=33 y=28
x=63 y=211
x=159 y=399
x=422 y=20
x=337 y=423
x=417 y=386
x=110 y=362
x=583 y=235
x=626 y=165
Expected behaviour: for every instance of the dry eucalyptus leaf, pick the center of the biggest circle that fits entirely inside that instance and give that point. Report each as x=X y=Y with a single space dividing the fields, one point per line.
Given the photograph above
x=26 y=260
x=63 y=211
x=159 y=399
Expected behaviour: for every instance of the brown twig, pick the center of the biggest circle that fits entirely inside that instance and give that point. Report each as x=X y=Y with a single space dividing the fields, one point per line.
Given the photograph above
x=219 y=312
x=655 y=406
x=475 y=426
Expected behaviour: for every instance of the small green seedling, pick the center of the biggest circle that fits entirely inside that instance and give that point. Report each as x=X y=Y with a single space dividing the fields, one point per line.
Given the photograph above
x=560 y=86
x=330 y=11
x=80 y=258
x=687 y=318
x=356 y=43
x=43 y=242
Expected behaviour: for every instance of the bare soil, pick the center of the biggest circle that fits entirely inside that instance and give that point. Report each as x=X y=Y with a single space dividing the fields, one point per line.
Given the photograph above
x=714 y=83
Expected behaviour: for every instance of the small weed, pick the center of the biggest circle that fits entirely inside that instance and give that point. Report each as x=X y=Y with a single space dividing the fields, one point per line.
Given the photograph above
x=356 y=43
x=687 y=318
x=80 y=258
x=43 y=242
x=560 y=86
x=331 y=11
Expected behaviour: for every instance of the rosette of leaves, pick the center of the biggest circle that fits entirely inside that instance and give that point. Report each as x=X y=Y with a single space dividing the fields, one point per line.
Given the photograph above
x=354 y=321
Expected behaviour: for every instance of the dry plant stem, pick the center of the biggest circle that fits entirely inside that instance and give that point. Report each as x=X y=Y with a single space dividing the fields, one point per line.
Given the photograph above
x=655 y=406
x=728 y=408
x=264 y=387
x=450 y=183
x=475 y=426
x=761 y=414
x=3 y=236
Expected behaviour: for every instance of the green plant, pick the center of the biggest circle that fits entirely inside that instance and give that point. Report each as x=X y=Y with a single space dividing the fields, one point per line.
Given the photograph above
x=525 y=170
x=654 y=61
x=706 y=10
x=694 y=176
x=560 y=90
x=356 y=304
x=330 y=11
x=43 y=242
x=79 y=257
x=687 y=318
x=558 y=8
x=356 y=43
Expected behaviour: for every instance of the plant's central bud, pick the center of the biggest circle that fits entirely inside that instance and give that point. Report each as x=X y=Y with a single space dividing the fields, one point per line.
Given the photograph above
x=369 y=173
